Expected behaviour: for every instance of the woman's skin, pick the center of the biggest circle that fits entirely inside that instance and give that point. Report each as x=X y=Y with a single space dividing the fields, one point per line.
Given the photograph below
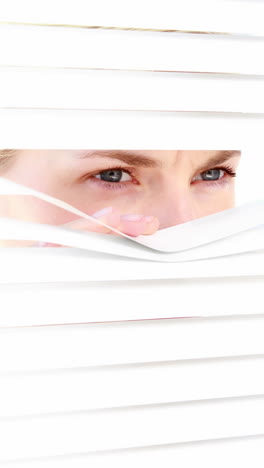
x=138 y=191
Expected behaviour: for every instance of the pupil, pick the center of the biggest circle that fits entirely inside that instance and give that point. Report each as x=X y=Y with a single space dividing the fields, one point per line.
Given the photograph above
x=111 y=176
x=211 y=174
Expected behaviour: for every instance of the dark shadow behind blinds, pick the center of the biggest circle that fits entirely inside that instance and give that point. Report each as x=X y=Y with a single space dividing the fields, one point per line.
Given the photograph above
x=154 y=392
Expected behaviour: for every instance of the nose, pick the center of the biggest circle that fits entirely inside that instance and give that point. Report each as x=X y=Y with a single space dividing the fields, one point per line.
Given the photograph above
x=175 y=208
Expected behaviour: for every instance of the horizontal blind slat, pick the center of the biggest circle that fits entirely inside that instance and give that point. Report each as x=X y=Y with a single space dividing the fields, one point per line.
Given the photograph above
x=239 y=17
x=132 y=50
x=136 y=426
x=114 y=343
x=84 y=389
x=29 y=305
x=115 y=90
x=112 y=130
x=241 y=451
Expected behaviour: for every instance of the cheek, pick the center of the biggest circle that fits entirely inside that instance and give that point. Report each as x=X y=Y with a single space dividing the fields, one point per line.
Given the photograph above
x=214 y=199
x=90 y=201
x=32 y=172
x=31 y=209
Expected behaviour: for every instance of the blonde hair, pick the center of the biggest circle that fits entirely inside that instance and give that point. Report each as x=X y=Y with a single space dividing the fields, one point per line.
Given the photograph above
x=6 y=156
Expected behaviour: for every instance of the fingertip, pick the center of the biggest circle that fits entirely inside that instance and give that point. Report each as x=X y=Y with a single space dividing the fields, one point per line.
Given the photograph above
x=112 y=221
x=145 y=226
x=151 y=225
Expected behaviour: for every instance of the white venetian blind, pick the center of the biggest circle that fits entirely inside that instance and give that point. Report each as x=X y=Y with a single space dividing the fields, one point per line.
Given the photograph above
x=87 y=376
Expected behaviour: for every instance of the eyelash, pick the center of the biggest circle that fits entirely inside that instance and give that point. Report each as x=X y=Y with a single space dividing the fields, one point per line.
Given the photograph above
x=123 y=185
x=226 y=169
x=228 y=173
x=115 y=185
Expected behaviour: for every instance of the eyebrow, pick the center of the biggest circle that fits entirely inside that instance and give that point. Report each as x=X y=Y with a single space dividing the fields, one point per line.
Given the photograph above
x=128 y=157
x=139 y=160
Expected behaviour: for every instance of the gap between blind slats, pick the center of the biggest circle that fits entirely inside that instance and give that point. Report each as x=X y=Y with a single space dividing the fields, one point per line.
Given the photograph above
x=238 y=17
x=114 y=343
x=132 y=50
x=23 y=128
x=134 y=300
x=241 y=451
x=115 y=90
x=80 y=432
x=84 y=389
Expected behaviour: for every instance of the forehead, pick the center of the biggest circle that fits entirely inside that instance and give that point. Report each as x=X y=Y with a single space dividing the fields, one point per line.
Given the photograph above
x=163 y=158
x=149 y=158
x=159 y=155
x=177 y=156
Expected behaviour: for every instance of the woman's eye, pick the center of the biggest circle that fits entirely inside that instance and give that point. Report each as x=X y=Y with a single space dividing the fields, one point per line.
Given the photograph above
x=211 y=174
x=114 y=175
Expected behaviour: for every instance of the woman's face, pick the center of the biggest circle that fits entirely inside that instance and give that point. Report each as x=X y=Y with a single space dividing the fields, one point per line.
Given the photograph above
x=174 y=186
